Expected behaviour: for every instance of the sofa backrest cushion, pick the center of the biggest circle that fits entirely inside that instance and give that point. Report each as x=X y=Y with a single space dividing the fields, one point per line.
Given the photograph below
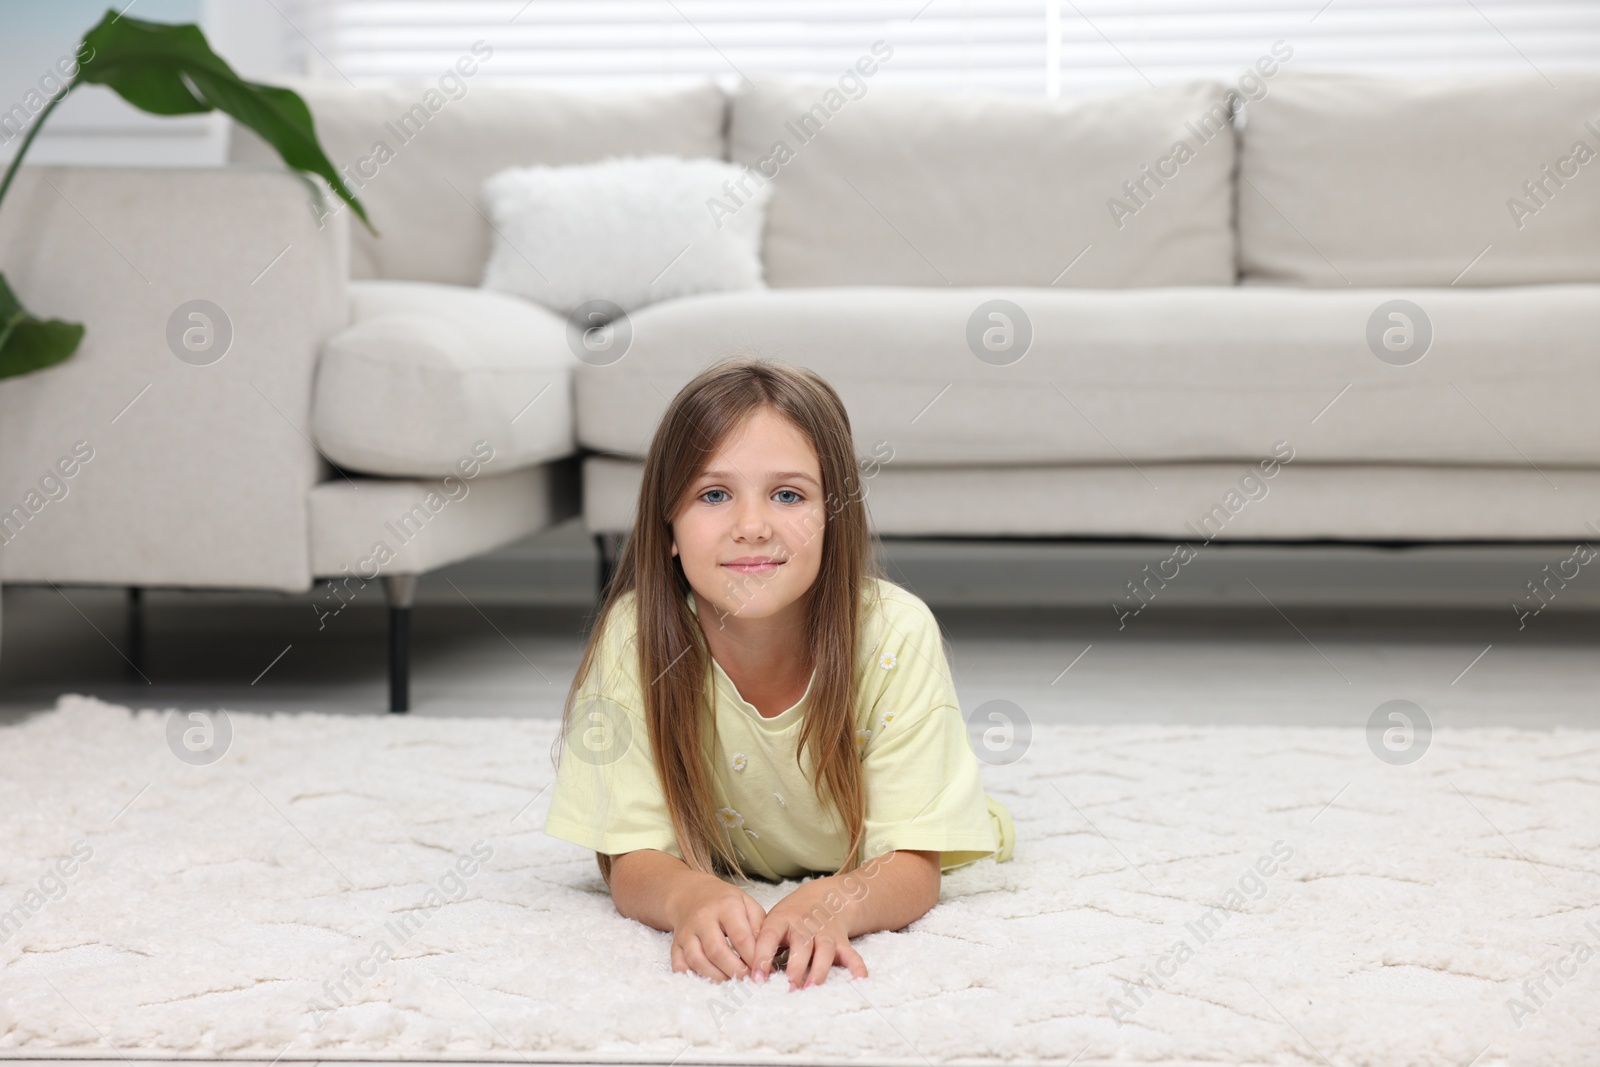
x=421 y=157
x=891 y=187
x=1359 y=180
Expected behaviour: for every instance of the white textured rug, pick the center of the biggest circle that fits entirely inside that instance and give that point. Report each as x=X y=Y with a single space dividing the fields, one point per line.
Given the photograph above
x=1425 y=914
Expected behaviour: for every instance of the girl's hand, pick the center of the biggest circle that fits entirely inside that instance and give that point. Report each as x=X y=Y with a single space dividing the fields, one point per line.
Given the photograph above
x=816 y=936
x=710 y=914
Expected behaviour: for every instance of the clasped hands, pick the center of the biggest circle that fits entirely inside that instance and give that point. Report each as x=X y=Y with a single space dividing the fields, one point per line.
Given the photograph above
x=722 y=933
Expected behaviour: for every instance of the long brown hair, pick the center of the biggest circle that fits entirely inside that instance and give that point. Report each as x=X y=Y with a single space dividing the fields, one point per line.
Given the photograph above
x=672 y=649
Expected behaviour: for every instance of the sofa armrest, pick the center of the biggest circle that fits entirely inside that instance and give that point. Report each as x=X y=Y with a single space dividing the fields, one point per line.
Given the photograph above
x=428 y=371
x=193 y=460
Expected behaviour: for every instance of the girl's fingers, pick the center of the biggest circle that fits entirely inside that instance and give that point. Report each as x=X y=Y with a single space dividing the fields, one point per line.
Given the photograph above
x=799 y=960
x=852 y=960
x=821 y=960
x=721 y=953
x=767 y=942
x=758 y=918
x=696 y=957
x=678 y=964
x=755 y=913
x=742 y=925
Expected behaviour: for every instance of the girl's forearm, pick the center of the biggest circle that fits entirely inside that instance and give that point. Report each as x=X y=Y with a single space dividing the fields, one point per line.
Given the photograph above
x=645 y=884
x=889 y=891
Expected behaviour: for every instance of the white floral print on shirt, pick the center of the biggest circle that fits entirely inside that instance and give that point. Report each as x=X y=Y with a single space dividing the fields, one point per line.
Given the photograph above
x=886 y=661
x=729 y=819
x=740 y=761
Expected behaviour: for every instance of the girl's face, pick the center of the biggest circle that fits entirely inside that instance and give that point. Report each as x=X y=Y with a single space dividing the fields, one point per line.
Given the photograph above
x=750 y=538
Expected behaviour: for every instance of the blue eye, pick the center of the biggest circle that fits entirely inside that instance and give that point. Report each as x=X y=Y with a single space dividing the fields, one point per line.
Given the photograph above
x=794 y=492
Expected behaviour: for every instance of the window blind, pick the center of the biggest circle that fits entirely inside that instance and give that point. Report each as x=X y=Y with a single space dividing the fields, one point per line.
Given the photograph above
x=1051 y=47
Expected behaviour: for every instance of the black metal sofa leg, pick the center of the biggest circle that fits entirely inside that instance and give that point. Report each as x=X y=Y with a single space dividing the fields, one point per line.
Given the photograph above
x=399 y=590
x=136 y=663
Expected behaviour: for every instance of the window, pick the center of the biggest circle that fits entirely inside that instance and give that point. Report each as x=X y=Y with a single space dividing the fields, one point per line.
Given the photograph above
x=1051 y=47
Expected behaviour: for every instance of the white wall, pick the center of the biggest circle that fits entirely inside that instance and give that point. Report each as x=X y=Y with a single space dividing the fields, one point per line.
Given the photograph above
x=93 y=124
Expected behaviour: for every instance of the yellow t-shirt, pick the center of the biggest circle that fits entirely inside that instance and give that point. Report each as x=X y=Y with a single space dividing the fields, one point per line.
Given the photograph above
x=921 y=778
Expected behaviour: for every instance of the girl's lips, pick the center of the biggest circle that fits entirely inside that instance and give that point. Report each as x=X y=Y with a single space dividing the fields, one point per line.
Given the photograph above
x=753 y=568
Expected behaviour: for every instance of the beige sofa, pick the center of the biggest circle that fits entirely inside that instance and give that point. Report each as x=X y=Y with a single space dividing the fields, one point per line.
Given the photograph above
x=1194 y=344
x=1175 y=345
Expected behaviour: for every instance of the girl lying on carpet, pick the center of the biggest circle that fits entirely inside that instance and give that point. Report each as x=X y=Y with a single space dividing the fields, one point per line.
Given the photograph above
x=756 y=700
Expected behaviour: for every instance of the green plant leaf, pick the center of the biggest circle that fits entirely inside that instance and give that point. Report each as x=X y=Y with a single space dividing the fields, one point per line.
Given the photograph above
x=169 y=69
x=30 y=344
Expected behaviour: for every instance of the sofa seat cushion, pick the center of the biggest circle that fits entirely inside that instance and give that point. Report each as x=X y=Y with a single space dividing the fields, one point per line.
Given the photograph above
x=1354 y=180
x=896 y=187
x=427 y=371
x=364 y=527
x=1192 y=374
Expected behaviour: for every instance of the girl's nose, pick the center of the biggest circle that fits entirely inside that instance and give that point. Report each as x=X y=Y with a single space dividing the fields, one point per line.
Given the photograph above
x=752 y=522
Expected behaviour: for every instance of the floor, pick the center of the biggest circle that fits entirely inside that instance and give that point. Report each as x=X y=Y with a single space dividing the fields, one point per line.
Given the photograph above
x=1312 y=636
x=1259 y=639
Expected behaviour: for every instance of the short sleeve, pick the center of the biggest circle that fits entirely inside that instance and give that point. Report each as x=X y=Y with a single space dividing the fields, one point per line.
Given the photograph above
x=607 y=795
x=924 y=790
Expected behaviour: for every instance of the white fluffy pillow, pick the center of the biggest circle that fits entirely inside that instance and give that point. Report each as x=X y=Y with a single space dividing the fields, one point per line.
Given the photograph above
x=632 y=231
